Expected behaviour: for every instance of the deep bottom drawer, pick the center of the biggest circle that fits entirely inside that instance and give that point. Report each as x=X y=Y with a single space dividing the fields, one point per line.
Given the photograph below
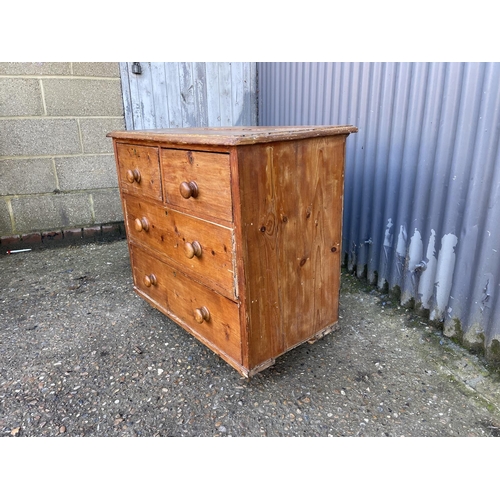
x=192 y=305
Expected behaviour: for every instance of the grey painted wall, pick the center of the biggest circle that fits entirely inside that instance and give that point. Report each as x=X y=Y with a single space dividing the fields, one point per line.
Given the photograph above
x=422 y=182
x=57 y=168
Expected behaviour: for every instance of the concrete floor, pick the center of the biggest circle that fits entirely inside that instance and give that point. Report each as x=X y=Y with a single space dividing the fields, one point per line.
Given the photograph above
x=82 y=355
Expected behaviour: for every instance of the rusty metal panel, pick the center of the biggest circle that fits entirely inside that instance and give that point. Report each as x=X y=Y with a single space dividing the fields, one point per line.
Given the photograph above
x=422 y=182
x=188 y=94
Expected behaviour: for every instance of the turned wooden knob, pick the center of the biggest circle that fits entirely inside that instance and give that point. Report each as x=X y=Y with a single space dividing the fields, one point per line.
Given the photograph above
x=189 y=189
x=149 y=280
x=141 y=224
x=201 y=314
x=133 y=175
x=192 y=249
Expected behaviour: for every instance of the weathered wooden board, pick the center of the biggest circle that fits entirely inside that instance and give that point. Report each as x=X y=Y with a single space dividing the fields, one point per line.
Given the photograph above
x=189 y=94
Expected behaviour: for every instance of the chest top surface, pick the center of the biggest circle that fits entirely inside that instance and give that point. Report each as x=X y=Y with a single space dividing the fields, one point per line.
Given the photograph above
x=232 y=136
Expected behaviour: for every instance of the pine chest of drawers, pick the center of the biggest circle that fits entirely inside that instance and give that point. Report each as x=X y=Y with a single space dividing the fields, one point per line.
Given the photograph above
x=235 y=233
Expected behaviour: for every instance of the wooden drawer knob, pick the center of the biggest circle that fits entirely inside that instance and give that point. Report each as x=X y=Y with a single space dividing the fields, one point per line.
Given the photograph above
x=189 y=189
x=141 y=224
x=192 y=249
x=149 y=280
x=201 y=314
x=133 y=175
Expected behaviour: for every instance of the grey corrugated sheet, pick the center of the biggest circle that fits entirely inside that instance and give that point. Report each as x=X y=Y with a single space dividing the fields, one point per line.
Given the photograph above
x=189 y=94
x=422 y=182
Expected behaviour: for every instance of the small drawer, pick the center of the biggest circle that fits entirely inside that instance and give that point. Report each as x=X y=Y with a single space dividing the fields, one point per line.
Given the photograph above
x=201 y=248
x=139 y=170
x=197 y=181
x=204 y=312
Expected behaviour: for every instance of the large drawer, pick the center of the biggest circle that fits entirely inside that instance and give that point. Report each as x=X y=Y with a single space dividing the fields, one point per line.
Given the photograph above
x=201 y=248
x=197 y=181
x=139 y=170
x=206 y=313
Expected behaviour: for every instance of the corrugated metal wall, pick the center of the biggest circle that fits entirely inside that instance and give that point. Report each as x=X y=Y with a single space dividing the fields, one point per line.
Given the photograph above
x=189 y=94
x=422 y=183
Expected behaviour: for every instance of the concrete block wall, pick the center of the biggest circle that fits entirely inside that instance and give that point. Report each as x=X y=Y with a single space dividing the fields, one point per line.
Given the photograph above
x=57 y=170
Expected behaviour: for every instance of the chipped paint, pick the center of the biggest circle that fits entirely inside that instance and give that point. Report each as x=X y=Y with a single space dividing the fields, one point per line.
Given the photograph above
x=401 y=246
x=388 y=237
x=401 y=252
x=488 y=291
x=444 y=275
x=426 y=284
x=415 y=251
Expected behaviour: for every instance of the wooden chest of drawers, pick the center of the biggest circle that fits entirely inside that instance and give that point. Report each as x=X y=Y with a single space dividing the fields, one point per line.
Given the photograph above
x=235 y=233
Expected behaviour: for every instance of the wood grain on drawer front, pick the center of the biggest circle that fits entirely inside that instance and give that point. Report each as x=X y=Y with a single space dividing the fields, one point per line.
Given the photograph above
x=181 y=237
x=204 y=179
x=188 y=302
x=139 y=170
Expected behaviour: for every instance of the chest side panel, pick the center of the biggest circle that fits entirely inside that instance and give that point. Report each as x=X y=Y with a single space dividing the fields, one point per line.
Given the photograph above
x=309 y=186
x=291 y=217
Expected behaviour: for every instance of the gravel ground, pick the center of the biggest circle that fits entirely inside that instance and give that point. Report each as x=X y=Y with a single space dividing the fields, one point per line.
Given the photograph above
x=82 y=355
